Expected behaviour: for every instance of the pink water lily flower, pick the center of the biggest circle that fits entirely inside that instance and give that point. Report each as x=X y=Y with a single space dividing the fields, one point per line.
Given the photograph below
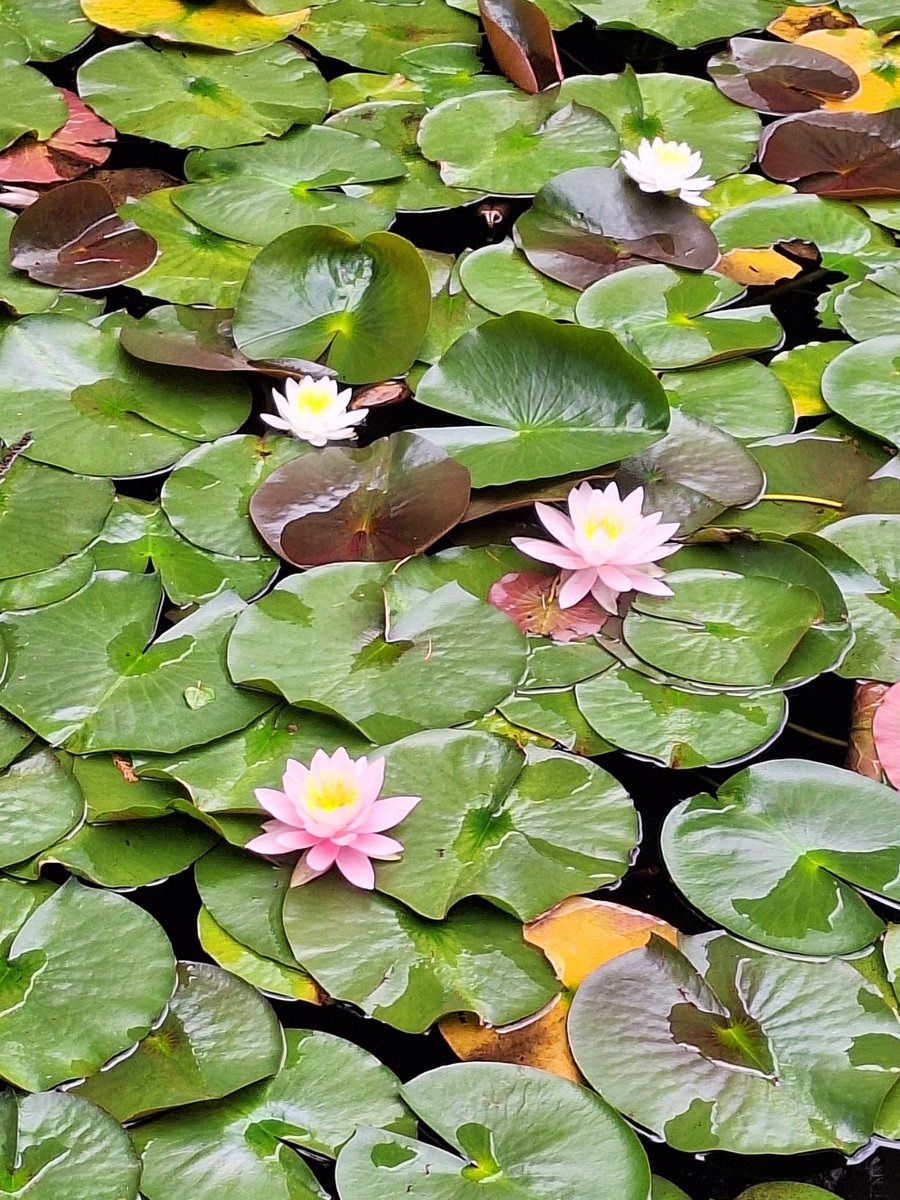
x=605 y=546
x=331 y=810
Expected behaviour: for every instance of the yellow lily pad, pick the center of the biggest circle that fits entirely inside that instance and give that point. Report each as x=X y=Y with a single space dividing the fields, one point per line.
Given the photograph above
x=222 y=24
x=875 y=62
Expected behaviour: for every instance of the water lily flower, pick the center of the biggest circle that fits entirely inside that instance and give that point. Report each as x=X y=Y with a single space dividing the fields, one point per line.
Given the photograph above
x=18 y=197
x=331 y=810
x=669 y=167
x=314 y=409
x=605 y=546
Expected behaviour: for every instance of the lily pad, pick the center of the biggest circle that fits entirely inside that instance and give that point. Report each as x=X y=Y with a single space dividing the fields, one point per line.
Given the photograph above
x=59 y=1147
x=689 y=1042
x=515 y=1128
x=193 y=266
x=335 y=640
x=392 y=499
x=30 y=104
x=363 y=305
x=79 y=673
x=574 y=393
x=373 y=39
x=501 y=279
x=221 y=24
x=201 y=98
x=14 y=738
x=40 y=803
x=685 y=22
x=510 y=143
x=257 y=193
x=812 y=831
x=851 y=154
x=87 y=965
x=271 y=978
x=672 y=318
x=92 y=409
x=218 y=1035
x=678 y=729
x=17 y=291
x=113 y=792
x=860 y=386
x=47 y=515
x=718 y=395
x=245 y=1146
x=552 y=713
x=50 y=29
x=78 y=145
x=367 y=949
x=780 y=78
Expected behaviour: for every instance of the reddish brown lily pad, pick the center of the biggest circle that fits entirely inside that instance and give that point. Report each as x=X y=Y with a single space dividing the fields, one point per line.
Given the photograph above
x=389 y=500
x=846 y=154
x=522 y=42
x=780 y=77
x=79 y=145
x=72 y=237
x=529 y=599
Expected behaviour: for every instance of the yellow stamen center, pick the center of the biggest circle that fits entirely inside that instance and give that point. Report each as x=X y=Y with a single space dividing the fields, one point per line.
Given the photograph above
x=611 y=524
x=314 y=399
x=670 y=154
x=332 y=791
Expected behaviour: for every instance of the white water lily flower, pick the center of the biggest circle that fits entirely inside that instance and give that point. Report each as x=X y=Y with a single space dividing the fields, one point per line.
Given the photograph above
x=18 y=197
x=314 y=409
x=669 y=167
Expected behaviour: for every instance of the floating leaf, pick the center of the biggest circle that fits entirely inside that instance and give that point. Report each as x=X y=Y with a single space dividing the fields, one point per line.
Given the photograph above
x=200 y=98
x=40 y=802
x=14 y=738
x=19 y=293
x=50 y=29
x=471 y=140
x=89 y=965
x=684 y=22
x=871 y=307
x=408 y=971
x=672 y=318
x=554 y=716
x=835 y=154
x=529 y=599
x=502 y=280
x=76 y=147
x=690 y=1042
x=800 y=370
x=29 y=104
x=873 y=60
x=521 y=42
x=860 y=385
x=72 y=237
x=780 y=79
x=221 y=24
x=335 y=640
x=520 y=1129
x=363 y=305
x=390 y=28
x=392 y=499
x=270 y=977
x=218 y=1035
x=718 y=395
x=113 y=792
x=574 y=393
x=91 y=408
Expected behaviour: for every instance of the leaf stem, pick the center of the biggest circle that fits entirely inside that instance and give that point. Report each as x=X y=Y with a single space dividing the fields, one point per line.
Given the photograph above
x=819 y=737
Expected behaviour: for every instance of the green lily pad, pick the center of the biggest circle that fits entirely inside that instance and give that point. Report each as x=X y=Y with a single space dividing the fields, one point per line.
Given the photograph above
x=46 y=587
x=113 y=792
x=673 y=318
x=510 y=143
x=93 y=409
x=29 y=104
x=59 y=1147
x=19 y=293
x=363 y=305
x=367 y=949
x=501 y=279
x=373 y=39
x=86 y=973
x=244 y=1147
x=219 y=1035
x=873 y=542
x=871 y=308
x=718 y=395
x=194 y=266
x=453 y=312
x=207 y=496
x=785 y=1191
x=202 y=98
x=516 y=1129
x=245 y=896
x=79 y=673
x=685 y=22
x=335 y=640
x=427 y=75
x=138 y=534
x=555 y=399
x=47 y=515
x=678 y=729
x=494 y=822
x=663 y=1190
x=812 y=831
x=220 y=24
x=690 y=1042
x=860 y=385
x=270 y=977
x=14 y=738
x=257 y=193
x=395 y=126
x=553 y=714
x=50 y=29
x=560 y=13
x=40 y=803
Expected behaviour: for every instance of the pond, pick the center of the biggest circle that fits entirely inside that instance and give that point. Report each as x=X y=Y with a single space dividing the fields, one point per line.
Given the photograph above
x=449 y=611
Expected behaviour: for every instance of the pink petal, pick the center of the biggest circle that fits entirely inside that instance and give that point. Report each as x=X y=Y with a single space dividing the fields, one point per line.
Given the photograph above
x=376 y=845
x=549 y=552
x=606 y=597
x=633 y=502
x=384 y=814
x=278 y=804
x=295 y=839
x=556 y=524
x=650 y=586
x=295 y=776
x=576 y=587
x=356 y=868
x=370 y=780
x=614 y=578
x=886 y=732
x=266 y=843
x=321 y=856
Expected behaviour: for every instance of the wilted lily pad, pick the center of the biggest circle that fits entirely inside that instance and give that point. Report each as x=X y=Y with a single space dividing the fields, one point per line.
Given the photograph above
x=221 y=24
x=78 y=145
x=850 y=154
x=780 y=78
